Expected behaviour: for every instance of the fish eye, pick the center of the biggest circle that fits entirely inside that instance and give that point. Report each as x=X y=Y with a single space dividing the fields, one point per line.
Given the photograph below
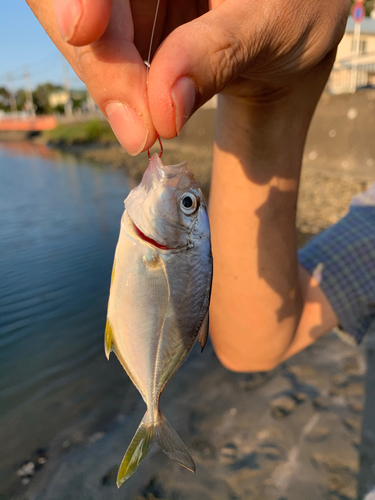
x=188 y=203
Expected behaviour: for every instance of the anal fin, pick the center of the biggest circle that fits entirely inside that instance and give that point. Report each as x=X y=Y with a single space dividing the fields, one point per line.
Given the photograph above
x=108 y=339
x=108 y=336
x=203 y=332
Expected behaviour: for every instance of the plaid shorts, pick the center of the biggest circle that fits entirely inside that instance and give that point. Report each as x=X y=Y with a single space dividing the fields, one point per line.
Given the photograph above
x=342 y=260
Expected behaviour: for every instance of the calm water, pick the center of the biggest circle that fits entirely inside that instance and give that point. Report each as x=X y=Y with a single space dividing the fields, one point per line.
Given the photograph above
x=59 y=222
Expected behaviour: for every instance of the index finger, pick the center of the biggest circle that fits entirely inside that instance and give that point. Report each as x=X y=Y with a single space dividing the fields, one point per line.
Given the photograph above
x=80 y=22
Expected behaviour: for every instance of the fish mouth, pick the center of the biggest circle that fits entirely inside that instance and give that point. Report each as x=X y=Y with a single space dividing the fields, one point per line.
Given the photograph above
x=145 y=238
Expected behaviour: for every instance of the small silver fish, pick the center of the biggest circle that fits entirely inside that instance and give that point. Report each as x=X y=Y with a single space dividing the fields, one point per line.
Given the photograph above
x=159 y=297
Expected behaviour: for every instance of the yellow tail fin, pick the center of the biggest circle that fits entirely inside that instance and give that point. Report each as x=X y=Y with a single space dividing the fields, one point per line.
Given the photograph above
x=166 y=437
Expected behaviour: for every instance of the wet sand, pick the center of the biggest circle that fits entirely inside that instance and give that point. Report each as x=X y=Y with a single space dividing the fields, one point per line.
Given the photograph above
x=291 y=434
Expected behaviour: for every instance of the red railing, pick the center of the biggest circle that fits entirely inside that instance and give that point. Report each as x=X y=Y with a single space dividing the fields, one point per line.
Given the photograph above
x=47 y=122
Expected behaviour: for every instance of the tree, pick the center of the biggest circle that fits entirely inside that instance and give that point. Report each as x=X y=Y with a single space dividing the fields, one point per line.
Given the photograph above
x=20 y=99
x=4 y=99
x=40 y=96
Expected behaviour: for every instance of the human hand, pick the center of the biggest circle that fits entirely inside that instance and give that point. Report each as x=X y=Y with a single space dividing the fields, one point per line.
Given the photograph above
x=256 y=50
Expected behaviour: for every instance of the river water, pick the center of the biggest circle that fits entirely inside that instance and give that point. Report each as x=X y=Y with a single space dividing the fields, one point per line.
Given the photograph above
x=59 y=223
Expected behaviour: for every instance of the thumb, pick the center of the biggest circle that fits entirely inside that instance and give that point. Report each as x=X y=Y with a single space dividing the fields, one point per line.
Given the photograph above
x=195 y=62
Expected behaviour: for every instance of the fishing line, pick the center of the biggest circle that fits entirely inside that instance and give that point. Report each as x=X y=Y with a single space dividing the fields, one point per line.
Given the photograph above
x=152 y=39
x=148 y=63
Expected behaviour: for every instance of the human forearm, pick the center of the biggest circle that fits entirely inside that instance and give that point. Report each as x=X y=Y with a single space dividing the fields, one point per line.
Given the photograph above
x=317 y=316
x=257 y=300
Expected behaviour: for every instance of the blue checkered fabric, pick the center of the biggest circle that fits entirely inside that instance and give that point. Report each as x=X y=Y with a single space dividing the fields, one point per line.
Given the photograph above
x=342 y=259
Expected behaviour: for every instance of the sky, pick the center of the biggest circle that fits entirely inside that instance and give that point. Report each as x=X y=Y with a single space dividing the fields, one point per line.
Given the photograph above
x=23 y=42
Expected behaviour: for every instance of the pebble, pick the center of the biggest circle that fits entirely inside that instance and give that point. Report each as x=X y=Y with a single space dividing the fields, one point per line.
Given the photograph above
x=270 y=453
x=321 y=403
x=355 y=389
x=338 y=400
x=303 y=373
x=249 y=461
x=343 y=485
x=339 y=380
x=282 y=406
x=268 y=436
x=96 y=437
x=351 y=367
x=335 y=464
x=356 y=405
x=26 y=470
x=300 y=397
x=252 y=381
x=318 y=434
x=353 y=424
x=228 y=453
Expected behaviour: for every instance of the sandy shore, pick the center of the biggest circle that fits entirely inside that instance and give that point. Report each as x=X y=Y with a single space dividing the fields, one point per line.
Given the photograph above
x=291 y=434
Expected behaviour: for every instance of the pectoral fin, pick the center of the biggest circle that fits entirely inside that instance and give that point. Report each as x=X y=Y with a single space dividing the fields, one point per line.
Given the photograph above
x=203 y=332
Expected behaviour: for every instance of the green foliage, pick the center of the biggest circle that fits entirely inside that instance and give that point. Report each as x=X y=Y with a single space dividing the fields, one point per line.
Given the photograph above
x=79 y=97
x=20 y=99
x=59 y=109
x=81 y=133
x=4 y=99
x=77 y=103
x=40 y=97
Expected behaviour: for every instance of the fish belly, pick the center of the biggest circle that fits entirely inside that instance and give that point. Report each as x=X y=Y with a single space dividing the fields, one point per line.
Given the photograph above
x=158 y=300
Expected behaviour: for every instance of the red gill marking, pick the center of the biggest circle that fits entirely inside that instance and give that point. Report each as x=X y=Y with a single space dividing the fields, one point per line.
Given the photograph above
x=149 y=240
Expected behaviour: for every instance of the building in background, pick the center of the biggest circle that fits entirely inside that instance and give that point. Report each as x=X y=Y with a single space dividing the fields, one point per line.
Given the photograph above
x=349 y=65
x=58 y=98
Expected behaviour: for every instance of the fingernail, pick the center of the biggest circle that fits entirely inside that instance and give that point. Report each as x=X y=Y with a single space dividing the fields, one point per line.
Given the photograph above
x=183 y=95
x=127 y=126
x=68 y=14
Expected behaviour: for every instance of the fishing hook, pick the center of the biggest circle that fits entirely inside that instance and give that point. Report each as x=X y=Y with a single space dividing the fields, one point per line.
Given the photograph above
x=161 y=148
